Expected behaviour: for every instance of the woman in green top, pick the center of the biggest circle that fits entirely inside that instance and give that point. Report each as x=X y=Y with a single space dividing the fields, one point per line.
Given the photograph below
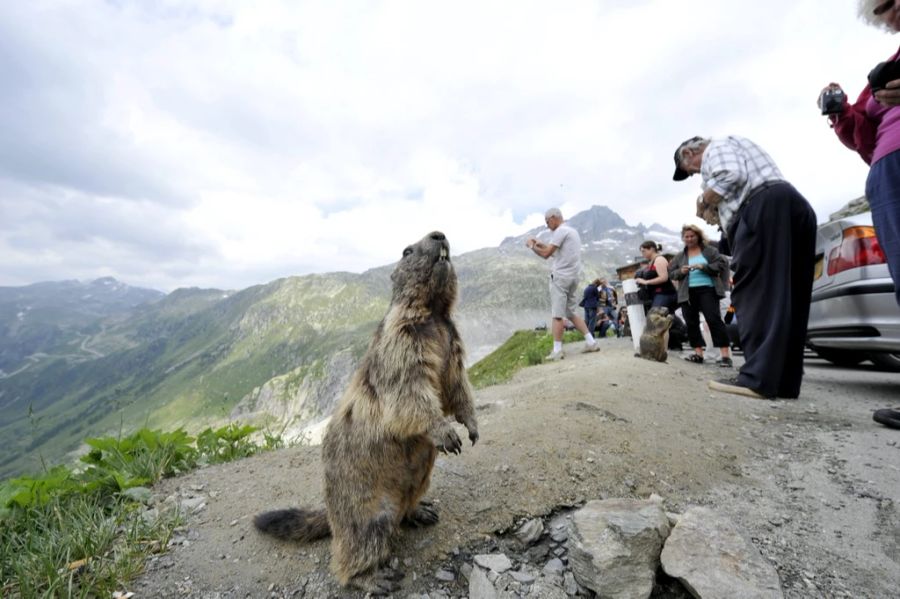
x=702 y=274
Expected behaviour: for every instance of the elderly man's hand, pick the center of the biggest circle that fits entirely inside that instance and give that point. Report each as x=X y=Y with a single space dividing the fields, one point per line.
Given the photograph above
x=707 y=212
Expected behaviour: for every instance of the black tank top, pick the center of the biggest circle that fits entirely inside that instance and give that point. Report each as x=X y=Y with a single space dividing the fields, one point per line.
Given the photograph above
x=665 y=288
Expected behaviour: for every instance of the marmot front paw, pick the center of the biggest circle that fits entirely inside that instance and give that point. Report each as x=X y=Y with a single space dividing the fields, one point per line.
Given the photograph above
x=446 y=440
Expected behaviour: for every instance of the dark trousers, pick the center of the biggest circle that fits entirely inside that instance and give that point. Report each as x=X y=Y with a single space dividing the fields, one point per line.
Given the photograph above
x=704 y=300
x=773 y=245
x=883 y=191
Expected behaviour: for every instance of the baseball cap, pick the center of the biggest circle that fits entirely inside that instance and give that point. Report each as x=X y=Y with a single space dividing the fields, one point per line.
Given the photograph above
x=680 y=173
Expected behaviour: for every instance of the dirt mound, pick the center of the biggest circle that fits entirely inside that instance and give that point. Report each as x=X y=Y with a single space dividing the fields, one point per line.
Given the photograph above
x=592 y=426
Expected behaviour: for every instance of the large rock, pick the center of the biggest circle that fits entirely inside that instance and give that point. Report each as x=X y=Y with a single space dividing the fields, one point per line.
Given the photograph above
x=614 y=546
x=712 y=559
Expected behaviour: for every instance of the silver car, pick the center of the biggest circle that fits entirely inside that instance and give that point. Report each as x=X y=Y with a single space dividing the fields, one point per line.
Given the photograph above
x=854 y=315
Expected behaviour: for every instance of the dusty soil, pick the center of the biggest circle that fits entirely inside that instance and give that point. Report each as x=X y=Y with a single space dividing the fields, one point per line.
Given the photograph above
x=814 y=482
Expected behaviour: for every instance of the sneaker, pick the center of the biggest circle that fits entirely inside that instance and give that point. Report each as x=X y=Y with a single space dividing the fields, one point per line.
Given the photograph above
x=554 y=356
x=590 y=348
x=732 y=386
x=725 y=363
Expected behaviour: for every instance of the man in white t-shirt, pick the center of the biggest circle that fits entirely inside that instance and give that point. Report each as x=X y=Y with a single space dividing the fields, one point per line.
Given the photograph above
x=564 y=251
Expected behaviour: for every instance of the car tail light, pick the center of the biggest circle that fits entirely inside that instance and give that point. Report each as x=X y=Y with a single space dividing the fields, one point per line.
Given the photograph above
x=859 y=247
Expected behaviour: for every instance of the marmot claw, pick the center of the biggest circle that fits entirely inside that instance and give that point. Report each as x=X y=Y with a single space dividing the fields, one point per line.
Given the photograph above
x=448 y=441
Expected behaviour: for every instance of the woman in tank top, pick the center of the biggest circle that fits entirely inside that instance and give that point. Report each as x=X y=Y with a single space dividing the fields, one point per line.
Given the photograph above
x=656 y=277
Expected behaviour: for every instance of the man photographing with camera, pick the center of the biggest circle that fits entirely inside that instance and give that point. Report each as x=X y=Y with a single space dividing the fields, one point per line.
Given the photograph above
x=771 y=230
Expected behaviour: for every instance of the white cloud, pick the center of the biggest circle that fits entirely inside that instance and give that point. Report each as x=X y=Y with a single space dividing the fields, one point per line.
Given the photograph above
x=226 y=144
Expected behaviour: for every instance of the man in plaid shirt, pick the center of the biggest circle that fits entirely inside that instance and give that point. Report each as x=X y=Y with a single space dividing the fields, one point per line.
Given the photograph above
x=771 y=230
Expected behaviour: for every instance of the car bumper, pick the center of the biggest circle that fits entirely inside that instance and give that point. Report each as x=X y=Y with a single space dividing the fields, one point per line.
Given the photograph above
x=861 y=315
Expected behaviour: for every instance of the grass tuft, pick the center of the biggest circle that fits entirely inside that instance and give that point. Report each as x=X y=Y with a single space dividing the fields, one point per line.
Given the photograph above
x=88 y=533
x=524 y=348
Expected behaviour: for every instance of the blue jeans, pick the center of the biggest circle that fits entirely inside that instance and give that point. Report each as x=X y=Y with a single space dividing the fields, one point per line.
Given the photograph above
x=666 y=300
x=883 y=191
x=590 y=318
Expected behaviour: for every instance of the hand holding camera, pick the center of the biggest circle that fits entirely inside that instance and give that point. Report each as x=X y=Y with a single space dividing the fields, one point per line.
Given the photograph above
x=831 y=99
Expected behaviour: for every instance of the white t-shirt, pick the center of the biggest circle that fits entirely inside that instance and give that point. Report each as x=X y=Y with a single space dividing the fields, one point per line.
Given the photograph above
x=566 y=260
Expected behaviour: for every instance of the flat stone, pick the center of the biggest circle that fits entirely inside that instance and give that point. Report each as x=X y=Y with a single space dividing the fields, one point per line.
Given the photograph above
x=522 y=577
x=554 y=566
x=445 y=575
x=480 y=587
x=496 y=562
x=713 y=559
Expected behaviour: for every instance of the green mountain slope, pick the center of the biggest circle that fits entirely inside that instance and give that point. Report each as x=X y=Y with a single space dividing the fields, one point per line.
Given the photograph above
x=279 y=353
x=186 y=360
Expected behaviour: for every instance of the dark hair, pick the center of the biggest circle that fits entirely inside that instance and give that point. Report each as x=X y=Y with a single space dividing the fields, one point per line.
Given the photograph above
x=651 y=245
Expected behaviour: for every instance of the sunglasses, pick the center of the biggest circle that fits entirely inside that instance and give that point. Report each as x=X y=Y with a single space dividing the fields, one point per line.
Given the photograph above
x=883 y=8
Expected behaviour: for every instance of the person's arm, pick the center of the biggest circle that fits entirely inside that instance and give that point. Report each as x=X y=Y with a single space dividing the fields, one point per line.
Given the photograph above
x=678 y=268
x=715 y=262
x=854 y=128
x=544 y=250
x=726 y=173
x=662 y=271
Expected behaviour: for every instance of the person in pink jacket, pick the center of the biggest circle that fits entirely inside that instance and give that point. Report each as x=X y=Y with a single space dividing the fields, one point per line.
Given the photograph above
x=871 y=127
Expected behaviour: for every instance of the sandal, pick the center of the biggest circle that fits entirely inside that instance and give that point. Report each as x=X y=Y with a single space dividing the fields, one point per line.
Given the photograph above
x=695 y=358
x=725 y=363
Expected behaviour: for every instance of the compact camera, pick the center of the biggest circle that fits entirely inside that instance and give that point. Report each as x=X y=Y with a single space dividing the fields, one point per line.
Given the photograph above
x=883 y=73
x=832 y=101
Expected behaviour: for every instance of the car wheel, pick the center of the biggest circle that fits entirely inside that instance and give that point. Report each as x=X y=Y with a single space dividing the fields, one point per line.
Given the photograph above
x=841 y=357
x=886 y=361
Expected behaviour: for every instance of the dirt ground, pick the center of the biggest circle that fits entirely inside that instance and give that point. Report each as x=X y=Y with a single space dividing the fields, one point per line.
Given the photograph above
x=813 y=482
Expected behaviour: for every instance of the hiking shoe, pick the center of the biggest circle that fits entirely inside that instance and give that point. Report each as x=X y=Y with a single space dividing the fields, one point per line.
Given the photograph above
x=555 y=356
x=590 y=347
x=725 y=363
x=731 y=385
x=694 y=359
x=889 y=418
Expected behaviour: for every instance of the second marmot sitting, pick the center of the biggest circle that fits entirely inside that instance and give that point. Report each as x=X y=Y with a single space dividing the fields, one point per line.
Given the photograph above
x=654 y=340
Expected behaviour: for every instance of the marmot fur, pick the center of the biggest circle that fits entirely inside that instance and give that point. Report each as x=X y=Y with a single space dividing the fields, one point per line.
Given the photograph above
x=655 y=338
x=381 y=443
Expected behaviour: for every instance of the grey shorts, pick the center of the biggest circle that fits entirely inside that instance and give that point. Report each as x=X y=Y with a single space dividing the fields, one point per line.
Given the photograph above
x=562 y=297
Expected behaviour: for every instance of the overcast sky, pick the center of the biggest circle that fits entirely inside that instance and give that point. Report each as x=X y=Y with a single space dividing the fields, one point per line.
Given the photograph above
x=225 y=144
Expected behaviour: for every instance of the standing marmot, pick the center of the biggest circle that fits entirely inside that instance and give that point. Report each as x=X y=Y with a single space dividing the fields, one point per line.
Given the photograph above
x=655 y=338
x=383 y=437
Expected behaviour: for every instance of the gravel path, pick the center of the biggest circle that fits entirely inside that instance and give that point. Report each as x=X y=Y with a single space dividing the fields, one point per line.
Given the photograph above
x=814 y=482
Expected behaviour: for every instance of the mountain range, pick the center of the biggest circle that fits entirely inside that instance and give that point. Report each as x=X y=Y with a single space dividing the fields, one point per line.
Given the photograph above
x=99 y=358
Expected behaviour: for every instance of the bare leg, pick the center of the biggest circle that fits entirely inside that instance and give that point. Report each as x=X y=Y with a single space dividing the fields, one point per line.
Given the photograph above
x=558 y=329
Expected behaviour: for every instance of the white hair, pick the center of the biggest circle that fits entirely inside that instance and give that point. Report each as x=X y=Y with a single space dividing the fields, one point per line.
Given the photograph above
x=866 y=11
x=694 y=144
x=553 y=212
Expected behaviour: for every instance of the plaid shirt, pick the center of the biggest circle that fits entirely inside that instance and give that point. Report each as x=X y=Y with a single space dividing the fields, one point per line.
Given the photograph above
x=733 y=167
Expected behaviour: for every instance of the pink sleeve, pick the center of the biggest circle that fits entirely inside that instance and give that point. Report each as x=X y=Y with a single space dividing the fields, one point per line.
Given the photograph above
x=855 y=129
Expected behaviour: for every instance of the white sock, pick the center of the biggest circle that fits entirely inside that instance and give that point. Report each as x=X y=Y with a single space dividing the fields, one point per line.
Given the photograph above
x=557 y=346
x=590 y=339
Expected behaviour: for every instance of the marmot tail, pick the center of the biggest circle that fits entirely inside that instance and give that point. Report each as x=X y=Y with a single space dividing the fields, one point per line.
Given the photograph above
x=294 y=524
